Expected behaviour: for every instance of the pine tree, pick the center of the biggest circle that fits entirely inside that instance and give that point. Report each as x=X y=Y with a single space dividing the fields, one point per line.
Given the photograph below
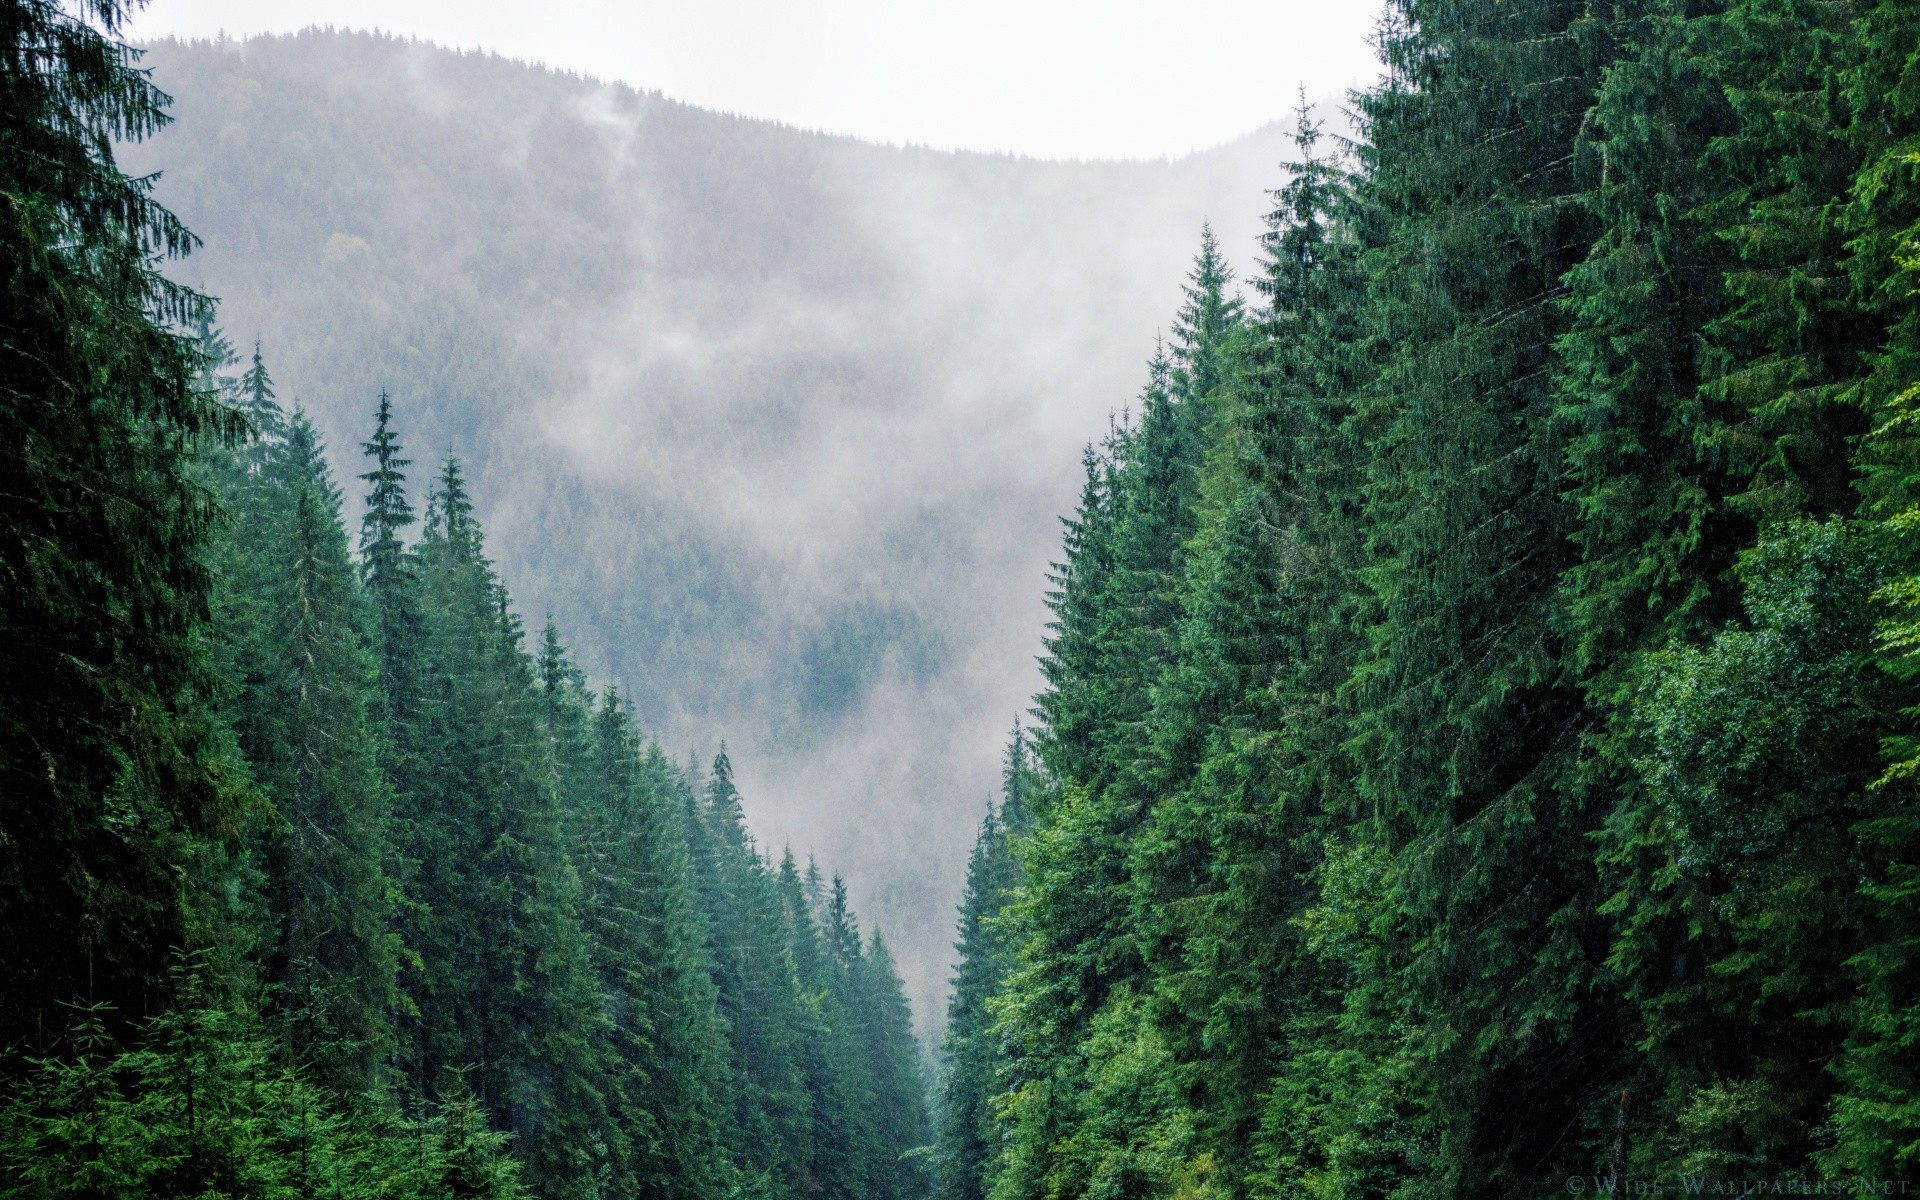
x=1244 y=729
x=770 y=1126
x=503 y=979
x=847 y=1140
x=666 y=1082
x=1203 y=327
x=293 y=624
x=1069 y=705
x=1469 y=863
x=829 y=1074
x=206 y=1104
x=1490 y=794
x=1696 y=422
x=257 y=398
x=1876 y=1111
x=116 y=783
x=388 y=568
x=974 y=1058
x=898 y=1125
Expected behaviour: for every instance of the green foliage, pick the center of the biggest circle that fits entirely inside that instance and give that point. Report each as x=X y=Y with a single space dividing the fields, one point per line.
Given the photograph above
x=290 y=627
x=446 y=936
x=1737 y=906
x=206 y=1106
x=1480 y=756
x=758 y=992
x=666 y=1081
x=1118 y=607
x=1477 y=736
x=899 y=1127
x=117 y=786
x=971 y=1047
x=826 y=1087
x=502 y=979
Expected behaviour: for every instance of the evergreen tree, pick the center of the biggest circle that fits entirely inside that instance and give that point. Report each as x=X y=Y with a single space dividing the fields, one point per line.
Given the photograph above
x=898 y=1125
x=847 y=1144
x=503 y=980
x=1080 y=952
x=255 y=781
x=1069 y=705
x=1203 y=327
x=115 y=780
x=971 y=1046
x=388 y=568
x=257 y=397
x=1698 y=421
x=292 y=624
x=1115 y=606
x=1246 y=728
x=205 y=1105
x=1391 y=845
x=666 y=1082
x=1876 y=1112
x=829 y=1070
x=758 y=994
x=1468 y=868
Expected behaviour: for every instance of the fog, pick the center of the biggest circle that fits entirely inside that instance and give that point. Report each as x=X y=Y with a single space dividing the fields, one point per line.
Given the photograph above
x=777 y=425
x=1053 y=78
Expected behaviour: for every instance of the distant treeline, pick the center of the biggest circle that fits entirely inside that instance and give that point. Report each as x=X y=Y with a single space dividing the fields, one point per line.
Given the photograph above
x=1477 y=754
x=314 y=880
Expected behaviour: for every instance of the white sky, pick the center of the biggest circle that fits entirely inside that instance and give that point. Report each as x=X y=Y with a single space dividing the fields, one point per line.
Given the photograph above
x=1052 y=78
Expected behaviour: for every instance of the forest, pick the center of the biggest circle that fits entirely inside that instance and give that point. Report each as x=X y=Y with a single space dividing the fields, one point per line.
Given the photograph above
x=1477 y=749
x=316 y=878
x=1476 y=753
x=774 y=423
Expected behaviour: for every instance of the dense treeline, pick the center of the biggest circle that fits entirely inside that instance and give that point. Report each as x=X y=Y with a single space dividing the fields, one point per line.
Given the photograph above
x=314 y=879
x=1477 y=748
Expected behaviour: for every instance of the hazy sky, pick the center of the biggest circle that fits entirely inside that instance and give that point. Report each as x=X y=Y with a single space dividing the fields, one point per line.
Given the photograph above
x=1052 y=78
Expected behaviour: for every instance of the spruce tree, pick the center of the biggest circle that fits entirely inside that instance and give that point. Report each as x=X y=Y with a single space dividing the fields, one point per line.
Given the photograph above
x=829 y=1073
x=666 y=1085
x=293 y=625
x=1469 y=861
x=1202 y=328
x=387 y=566
x=206 y=1103
x=1069 y=706
x=1482 y=791
x=257 y=397
x=970 y=1046
x=114 y=778
x=758 y=994
x=1875 y=1110
x=847 y=1140
x=1110 y=650
x=899 y=1124
x=503 y=982
x=1697 y=421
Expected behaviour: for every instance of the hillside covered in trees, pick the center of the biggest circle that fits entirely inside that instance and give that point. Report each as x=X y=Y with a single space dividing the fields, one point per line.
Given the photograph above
x=1477 y=753
x=316 y=879
x=774 y=423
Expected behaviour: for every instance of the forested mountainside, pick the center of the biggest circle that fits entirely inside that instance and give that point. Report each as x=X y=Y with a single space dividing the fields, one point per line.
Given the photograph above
x=775 y=423
x=1477 y=752
x=316 y=879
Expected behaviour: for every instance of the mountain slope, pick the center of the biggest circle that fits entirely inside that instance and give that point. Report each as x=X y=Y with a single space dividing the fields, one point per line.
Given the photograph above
x=775 y=424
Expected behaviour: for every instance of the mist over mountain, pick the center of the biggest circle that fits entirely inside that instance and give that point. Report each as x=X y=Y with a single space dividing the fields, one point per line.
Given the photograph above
x=775 y=424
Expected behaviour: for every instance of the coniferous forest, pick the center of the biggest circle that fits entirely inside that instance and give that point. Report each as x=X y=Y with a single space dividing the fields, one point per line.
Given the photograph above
x=318 y=875
x=1477 y=749
x=1476 y=753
